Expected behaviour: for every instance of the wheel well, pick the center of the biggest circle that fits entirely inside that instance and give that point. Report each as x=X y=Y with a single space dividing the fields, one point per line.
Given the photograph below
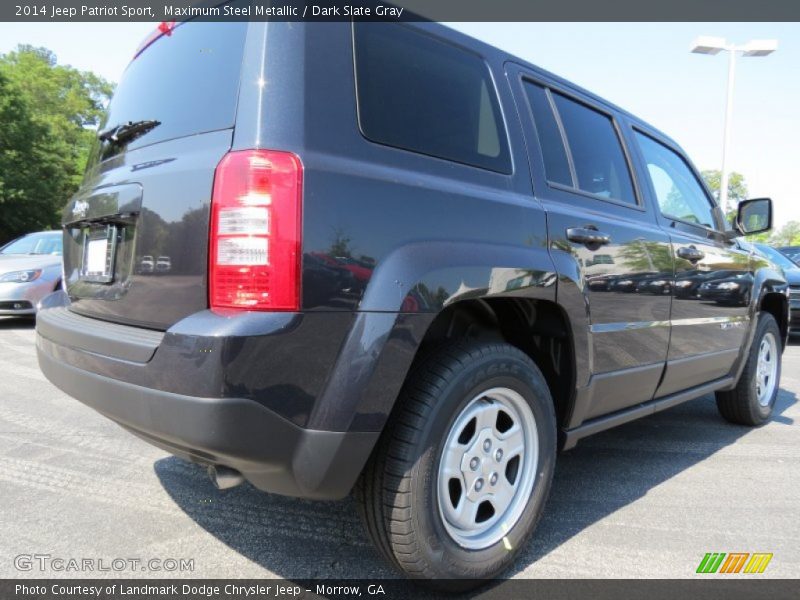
x=538 y=328
x=775 y=304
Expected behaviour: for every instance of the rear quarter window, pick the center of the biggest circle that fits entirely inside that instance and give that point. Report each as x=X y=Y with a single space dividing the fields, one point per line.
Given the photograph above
x=425 y=95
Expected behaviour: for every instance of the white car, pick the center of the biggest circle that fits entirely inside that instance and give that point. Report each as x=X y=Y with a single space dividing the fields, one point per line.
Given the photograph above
x=30 y=269
x=147 y=264
x=163 y=264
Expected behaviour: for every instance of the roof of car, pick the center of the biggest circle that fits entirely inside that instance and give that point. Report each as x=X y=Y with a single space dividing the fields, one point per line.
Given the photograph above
x=488 y=50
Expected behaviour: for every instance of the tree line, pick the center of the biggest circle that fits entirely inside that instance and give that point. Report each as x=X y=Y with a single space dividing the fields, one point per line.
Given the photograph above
x=48 y=118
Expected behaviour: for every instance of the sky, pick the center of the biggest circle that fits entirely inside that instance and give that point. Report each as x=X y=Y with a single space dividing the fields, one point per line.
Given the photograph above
x=645 y=68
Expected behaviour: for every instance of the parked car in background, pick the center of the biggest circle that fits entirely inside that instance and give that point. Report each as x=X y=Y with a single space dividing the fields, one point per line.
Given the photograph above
x=163 y=264
x=326 y=279
x=30 y=268
x=792 y=273
x=732 y=291
x=793 y=252
x=655 y=283
x=147 y=264
x=688 y=283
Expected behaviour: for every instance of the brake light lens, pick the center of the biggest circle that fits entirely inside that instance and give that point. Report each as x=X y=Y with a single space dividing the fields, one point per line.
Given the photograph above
x=255 y=231
x=164 y=28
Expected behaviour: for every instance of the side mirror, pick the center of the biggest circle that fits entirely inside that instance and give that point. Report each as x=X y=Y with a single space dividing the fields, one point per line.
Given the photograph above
x=754 y=216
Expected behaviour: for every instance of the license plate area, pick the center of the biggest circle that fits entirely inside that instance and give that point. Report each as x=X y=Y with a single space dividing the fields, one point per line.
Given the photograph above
x=99 y=252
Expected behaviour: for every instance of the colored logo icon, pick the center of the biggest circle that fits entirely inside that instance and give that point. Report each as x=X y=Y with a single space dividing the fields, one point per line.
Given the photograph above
x=734 y=562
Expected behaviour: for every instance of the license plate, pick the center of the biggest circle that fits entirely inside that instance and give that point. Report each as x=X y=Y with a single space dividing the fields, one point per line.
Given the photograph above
x=99 y=244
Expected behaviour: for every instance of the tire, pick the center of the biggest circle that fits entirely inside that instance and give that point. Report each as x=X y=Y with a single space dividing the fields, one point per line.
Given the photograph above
x=400 y=490
x=751 y=402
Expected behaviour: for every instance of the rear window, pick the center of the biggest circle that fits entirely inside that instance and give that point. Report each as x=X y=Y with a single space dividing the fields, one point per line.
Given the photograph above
x=425 y=95
x=188 y=80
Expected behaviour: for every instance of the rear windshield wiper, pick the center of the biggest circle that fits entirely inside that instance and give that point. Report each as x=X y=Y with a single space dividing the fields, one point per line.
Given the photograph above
x=119 y=134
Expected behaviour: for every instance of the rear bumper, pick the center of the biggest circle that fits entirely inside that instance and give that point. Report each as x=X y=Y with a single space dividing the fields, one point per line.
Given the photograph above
x=272 y=452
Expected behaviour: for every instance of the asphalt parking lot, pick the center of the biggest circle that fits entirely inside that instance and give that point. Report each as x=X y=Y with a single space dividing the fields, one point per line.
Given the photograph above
x=648 y=499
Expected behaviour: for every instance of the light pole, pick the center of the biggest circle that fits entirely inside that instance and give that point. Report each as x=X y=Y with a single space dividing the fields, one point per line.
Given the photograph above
x=714 y=45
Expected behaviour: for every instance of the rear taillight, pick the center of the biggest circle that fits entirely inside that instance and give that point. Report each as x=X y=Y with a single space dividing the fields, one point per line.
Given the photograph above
x=255 y=231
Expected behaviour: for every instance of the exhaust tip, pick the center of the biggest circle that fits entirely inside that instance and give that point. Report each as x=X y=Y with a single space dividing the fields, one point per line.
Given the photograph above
x=224 y=478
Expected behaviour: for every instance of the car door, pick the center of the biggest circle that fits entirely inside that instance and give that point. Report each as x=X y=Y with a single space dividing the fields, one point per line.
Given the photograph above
x=713 y=275
x=612 y=256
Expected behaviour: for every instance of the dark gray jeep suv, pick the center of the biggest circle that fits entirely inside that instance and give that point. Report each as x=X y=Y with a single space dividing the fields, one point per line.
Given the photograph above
x=396 y=261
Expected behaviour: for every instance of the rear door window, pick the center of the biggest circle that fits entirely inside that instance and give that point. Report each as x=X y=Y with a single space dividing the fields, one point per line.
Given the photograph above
x=425 y=95
x=601 y=168
x=556 y=163
x=580 y=146
x=187 y=80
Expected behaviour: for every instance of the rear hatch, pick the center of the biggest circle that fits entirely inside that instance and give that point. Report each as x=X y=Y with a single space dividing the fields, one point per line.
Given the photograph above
x=136 y=234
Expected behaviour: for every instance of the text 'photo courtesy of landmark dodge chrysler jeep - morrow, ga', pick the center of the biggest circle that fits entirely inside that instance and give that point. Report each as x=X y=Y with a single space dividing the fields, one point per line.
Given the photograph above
x=402 y=264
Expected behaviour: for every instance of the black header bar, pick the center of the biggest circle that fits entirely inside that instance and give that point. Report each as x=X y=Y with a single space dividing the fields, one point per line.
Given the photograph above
x=399 y=10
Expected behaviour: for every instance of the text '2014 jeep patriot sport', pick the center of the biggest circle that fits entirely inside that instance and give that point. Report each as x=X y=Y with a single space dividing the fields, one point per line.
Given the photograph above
x=404 y=263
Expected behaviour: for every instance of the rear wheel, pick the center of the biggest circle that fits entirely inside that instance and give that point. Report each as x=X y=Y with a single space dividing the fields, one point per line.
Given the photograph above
x=462 y=472
x=752 y=400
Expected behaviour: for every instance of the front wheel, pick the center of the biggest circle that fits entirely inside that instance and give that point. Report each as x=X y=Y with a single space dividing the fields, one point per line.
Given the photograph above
x=463 y=470
x=752 y=400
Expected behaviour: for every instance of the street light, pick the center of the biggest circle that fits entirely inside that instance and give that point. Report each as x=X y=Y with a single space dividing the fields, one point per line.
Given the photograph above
x=713 y=46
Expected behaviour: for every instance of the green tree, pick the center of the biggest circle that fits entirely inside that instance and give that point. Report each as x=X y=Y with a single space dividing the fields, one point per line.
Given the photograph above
x=25 y=166
x=340 y=248
x=59 y=108
x=647 y=257
x=737 y=191
x=788 y=235
x=737 y=187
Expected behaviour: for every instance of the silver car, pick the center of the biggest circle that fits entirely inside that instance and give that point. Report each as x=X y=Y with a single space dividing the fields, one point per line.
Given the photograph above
x=30 y=268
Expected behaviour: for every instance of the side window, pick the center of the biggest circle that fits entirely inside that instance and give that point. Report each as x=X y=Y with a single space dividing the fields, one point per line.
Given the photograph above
x=556 y=163
x=422 y=94
x=679 y=194
x=600 y=165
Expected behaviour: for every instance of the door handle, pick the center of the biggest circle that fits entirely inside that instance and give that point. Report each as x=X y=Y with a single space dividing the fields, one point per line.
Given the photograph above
x=690 y=253
x=587 y=236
